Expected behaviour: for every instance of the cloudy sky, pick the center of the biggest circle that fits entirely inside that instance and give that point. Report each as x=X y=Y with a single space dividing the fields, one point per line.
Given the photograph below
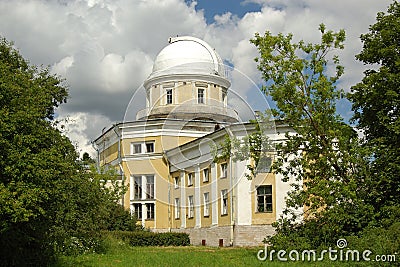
x=105 y=48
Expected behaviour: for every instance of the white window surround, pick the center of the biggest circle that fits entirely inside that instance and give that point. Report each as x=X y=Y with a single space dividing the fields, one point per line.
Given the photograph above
x=190 y=207
x=143 y=187
x=224 y=202
x=206 y=175
x=224 y=170
x=177 y=208
x=206 y=199
x=190 y=178
x=142 y=147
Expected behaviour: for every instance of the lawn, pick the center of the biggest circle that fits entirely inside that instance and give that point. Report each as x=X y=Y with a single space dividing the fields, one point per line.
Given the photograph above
x=124 y=255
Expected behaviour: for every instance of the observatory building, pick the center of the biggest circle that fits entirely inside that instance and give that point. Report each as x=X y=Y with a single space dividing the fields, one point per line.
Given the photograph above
x=166 y=156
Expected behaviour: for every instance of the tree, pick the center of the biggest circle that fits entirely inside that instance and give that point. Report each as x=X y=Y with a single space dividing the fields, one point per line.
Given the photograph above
x=323 y=154
x=47 y=200
x=376 y=106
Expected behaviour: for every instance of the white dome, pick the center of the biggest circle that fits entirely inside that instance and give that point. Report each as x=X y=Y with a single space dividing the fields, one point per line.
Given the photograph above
x=187 y=55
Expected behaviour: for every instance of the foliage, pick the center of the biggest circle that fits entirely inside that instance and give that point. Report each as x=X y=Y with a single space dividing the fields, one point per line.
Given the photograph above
x=376 y=106
x=323 y=154
x=255 y=146
x=48 y=201
x=147 y=238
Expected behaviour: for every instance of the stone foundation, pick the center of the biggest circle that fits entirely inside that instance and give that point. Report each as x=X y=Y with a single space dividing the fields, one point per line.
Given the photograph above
x=243 y=235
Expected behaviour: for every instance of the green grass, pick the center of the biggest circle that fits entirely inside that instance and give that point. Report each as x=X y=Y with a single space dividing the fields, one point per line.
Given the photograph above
x=119 y=254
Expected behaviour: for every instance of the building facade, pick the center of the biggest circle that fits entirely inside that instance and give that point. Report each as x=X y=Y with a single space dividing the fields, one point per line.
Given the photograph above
x=166 y=155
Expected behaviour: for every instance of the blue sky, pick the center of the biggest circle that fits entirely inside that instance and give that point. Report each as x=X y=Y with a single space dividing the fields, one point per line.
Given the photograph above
x=106 y=49
x=218 y=7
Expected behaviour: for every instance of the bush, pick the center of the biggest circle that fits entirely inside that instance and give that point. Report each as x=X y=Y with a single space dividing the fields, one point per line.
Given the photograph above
x=379 y=240
x=146 y=238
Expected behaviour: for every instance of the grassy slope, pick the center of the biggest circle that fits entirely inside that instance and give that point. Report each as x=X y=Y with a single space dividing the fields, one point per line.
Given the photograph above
x=181 y=256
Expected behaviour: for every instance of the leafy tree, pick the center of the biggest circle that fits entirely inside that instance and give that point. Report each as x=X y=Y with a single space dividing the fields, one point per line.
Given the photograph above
x=47 y=200
x=376 y=106
x=323 y=154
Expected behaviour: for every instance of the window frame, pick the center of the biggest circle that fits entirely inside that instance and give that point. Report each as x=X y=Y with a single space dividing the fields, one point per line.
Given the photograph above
x=169 y=96
x=206 y=175
x=136 y=145
x=138 y=187
x=206 y=200
x=190 y=178
x=150 y=211
x=224 y=202
x=266 y=204
x=224 y=170
x=177 y=208
x=190 y=207
x=149 y=144
x=138 y=211
x=150 y=187
x=201 y=95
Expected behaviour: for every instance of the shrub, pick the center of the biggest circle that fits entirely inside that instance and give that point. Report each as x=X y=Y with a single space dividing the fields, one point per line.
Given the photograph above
x=146 y=238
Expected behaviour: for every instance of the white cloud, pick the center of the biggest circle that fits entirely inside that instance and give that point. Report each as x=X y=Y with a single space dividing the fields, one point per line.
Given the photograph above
x=105 y=49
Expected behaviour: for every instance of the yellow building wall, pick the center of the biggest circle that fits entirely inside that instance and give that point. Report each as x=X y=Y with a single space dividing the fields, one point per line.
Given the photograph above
x=109 y=154
x=263 y=217
x=224 y=183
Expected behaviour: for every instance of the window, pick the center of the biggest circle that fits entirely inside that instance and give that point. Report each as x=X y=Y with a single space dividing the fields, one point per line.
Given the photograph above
x=169 y=96
x=150 y=147
x=150 y=187
x=224 y=170
x=206 y=173
x=176 y=182
x=138 y=187
x=191 y=207
x=224 y=202
x=224 y=98
x=150 y=211
x=177 y=208
x=200 y=96
x=264 y=198
x=206 y=204
x=137 y=148
x=190 y=179
x=264 y=164
x=138 y=210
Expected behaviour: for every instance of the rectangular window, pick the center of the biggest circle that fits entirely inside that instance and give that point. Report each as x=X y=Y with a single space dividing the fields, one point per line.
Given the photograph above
x=206 y=204
x=150 y=147
x=150 y=211
x=138 y=210
x=169 y=96
x=190 y=179
x=137 y=187
x=136 y=148
x=224 y=98
x=224 y=202
x=149 y=187
x=190 y=207
x=264 y=164
x=177 y=208
x=176 y=182
x=206 y=174
x=200 y=96
x=224 y=170
x=264 y=198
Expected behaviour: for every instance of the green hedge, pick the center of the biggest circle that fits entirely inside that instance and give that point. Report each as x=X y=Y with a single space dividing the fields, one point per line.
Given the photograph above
x=145 y=238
